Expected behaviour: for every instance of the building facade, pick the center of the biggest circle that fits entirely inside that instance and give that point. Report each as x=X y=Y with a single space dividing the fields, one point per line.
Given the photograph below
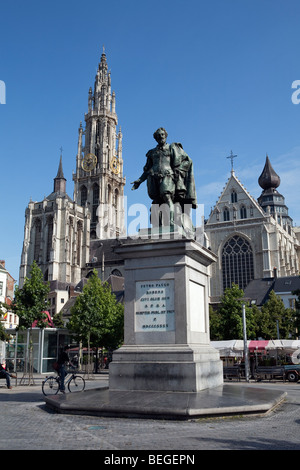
x=7 y=283
x=59 y=229
x=251 y=237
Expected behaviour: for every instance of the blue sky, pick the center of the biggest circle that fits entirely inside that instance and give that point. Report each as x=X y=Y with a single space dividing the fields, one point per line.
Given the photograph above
x=217 y=74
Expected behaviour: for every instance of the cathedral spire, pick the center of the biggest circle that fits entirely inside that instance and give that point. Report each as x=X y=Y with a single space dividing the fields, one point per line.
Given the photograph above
x=60 y=180
x=99 y=180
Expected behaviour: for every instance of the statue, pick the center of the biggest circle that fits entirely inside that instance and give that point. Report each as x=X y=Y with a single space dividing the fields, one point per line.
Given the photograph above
x=170 y=177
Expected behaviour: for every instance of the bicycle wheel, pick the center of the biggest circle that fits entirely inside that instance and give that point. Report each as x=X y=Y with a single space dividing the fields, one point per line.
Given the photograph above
x=50 y=386
x=76 y=384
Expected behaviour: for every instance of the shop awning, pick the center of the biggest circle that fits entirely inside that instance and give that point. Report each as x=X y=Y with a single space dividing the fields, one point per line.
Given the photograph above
x=258 y=345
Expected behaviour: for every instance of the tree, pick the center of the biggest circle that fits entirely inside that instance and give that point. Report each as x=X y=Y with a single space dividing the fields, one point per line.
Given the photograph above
x=276 y=316
x=58 y=320
x=227 y=322
x=216 y=333
x=30 y=301
x=297 y=311
x=29 y=304
x=96 y=317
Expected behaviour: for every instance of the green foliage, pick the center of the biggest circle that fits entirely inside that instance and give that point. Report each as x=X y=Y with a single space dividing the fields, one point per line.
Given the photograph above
x=31 y=300
x=58 y=320
x=97 y=317
x=215 y=324
x=229 y=316
x=274 y=312
x=226 y=323
x=297 y=311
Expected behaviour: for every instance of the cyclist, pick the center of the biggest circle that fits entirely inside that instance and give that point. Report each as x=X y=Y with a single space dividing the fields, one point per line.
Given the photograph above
x=63 y=359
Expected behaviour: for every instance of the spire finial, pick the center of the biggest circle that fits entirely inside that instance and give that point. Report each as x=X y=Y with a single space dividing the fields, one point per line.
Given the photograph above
x=231 y=156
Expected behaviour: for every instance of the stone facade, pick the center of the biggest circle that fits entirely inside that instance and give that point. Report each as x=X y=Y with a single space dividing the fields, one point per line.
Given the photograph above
x=248 y=240
x=58 y=230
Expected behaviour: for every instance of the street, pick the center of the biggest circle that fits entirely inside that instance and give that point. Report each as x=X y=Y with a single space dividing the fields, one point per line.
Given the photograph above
x=26 y=424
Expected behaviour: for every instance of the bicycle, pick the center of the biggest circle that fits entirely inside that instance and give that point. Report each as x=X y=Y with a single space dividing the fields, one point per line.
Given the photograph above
x=75 y=383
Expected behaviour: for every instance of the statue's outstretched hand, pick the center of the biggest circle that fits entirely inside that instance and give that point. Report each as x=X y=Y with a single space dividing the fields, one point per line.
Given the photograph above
x=135 y=185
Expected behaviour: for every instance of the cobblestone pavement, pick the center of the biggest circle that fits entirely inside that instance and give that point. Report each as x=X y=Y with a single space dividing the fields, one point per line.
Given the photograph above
x=25 y=423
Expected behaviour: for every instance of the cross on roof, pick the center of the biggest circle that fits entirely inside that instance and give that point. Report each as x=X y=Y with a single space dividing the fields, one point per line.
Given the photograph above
x=231 y=156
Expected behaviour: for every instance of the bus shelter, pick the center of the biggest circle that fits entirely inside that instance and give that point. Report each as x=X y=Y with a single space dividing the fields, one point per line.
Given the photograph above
x=41 y=345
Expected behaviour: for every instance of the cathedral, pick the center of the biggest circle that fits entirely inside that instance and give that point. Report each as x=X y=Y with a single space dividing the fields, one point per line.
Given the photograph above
x=59 y=230
x=253 y=239
x=69 y=237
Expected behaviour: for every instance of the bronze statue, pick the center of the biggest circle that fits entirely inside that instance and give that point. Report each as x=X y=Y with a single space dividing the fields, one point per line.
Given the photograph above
x=169 y=174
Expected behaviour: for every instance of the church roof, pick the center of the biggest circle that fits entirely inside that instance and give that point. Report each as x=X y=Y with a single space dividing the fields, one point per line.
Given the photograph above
x=258 y=290
x=234 y=183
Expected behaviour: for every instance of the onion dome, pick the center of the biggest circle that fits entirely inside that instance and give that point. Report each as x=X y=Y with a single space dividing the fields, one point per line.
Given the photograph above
x=269 y=178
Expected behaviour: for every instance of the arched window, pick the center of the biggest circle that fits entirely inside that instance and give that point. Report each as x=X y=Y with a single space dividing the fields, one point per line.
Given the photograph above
x=226 y=214
x=237 y=262
x=95 y=202
x=37 y=239
x=79 y=242
x=233 y=196
x=243 y=212
x=49 y=237
x=83 y=195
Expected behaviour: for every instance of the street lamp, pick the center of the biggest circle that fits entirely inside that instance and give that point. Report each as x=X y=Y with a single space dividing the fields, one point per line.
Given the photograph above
x=245 y=344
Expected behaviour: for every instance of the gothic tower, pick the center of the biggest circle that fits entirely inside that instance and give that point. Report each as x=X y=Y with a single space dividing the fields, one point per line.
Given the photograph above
x=98 y=181
x=56 y=235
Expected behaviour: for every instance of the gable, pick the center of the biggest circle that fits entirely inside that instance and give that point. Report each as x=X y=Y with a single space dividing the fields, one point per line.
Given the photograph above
x=235 y=203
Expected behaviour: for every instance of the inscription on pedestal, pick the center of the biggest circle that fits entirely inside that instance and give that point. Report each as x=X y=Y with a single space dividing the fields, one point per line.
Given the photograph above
x=154 y=310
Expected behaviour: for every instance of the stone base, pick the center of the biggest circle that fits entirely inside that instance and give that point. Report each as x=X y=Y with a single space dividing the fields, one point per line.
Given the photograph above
x=225 y=400
x=178 y=368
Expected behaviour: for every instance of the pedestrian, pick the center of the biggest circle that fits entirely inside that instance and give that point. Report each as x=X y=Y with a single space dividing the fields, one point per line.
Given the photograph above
x=5 y=375
x=63 y=359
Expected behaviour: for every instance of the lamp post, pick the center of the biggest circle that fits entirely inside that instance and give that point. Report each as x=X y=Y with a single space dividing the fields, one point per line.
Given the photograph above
x=245 y=344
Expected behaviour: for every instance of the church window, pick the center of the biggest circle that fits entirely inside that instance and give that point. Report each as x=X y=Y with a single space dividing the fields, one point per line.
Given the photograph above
x=226 y=214
x=37 y=240
x=95 y=202
x=79 y=240
x=49 y=237
x=243 y=212
x=83 y=196
x=237 y=262
x=233 y=196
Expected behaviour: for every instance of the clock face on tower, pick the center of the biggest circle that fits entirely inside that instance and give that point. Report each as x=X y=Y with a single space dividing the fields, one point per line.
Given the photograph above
x=89 y=162
x=115 y=165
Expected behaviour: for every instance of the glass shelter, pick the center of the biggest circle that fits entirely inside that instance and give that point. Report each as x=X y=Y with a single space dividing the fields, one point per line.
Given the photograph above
x=43 y=344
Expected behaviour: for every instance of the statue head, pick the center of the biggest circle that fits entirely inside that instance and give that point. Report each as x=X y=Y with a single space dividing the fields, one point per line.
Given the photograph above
x=158 y=134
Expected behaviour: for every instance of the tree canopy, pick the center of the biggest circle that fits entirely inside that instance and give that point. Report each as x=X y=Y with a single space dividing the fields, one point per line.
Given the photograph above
x=96 y=316
x=30 y=302
x=265 y=322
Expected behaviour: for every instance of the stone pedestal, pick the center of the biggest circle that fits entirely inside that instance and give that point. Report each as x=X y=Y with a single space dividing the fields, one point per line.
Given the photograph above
x=166 y=333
